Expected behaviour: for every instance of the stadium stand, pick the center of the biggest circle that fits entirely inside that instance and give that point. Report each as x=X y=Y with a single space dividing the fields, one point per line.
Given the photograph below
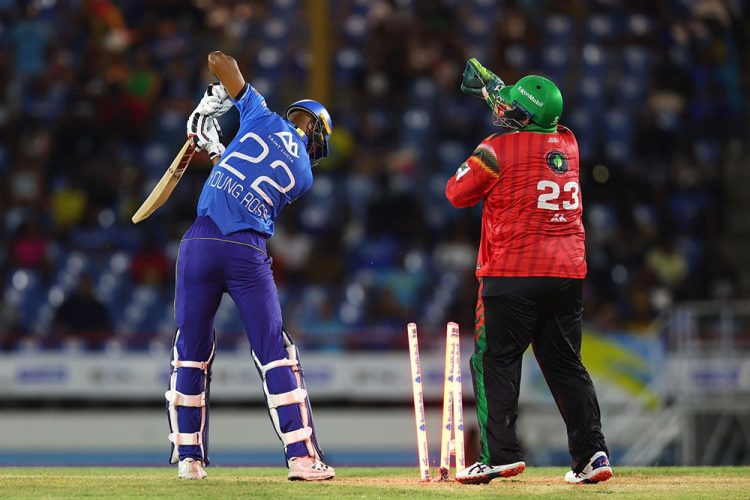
x=94 y=95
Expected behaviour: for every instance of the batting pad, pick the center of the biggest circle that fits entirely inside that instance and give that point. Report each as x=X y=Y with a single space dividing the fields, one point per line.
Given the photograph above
x=177 y=399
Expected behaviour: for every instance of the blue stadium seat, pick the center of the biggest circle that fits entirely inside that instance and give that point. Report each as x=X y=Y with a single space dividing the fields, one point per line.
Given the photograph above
x=558 y=30
x=355 y=28
x=519 y=57
x=348 y=64
x=417 y=129
x=639 y=25
x=283 y=7
x=555 y=60
x=25 y=292
x=636 y=61
x=358 y=189
x=442 y=296
x=600 y=27
x=618 y=134
x=594 y=62
x=275 y=29
x=423 y=92
x=629 y=91
x=586 y=129
x=592 y=95
x=477 y=29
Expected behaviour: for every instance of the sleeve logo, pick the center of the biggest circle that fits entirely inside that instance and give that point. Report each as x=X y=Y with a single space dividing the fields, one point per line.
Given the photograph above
x=462 y=170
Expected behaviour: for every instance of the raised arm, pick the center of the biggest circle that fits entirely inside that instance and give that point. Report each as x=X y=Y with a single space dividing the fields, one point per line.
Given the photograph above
x=225 y=68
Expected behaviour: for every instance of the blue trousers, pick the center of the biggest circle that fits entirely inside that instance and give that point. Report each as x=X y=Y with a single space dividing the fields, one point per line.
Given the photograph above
x=210 y=264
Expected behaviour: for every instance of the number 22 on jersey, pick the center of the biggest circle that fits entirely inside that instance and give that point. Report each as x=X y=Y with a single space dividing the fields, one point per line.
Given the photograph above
x=257 y=159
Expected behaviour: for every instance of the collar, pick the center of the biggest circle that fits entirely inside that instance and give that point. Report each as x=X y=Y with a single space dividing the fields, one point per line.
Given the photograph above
x=533 y=127
x=302 y=135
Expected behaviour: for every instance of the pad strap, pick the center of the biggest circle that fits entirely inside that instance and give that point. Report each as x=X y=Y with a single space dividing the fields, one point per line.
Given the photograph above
x=181 y=438
x=180 y=399
x=200 y=365
x=277 y=364
x=295 y=396
x=302 y=434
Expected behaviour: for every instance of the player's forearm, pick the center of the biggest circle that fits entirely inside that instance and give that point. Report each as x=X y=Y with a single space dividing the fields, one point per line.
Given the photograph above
x=225 y=68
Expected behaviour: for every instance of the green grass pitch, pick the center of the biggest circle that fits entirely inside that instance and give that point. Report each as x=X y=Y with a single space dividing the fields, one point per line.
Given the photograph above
x=235 y=482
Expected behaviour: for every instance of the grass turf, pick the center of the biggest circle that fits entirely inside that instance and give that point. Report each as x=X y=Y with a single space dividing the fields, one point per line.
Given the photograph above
x=235 y=482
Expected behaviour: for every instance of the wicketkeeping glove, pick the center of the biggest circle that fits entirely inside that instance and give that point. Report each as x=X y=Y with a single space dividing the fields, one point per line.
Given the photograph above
x=207 y=134
x=479 y=81
x=215 y=101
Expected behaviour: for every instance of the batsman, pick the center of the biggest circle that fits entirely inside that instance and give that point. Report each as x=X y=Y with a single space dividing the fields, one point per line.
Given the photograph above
x=530 y=267
x=264 y=168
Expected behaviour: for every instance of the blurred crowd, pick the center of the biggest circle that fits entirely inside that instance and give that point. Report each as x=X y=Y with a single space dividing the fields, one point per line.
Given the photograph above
x=94 y=95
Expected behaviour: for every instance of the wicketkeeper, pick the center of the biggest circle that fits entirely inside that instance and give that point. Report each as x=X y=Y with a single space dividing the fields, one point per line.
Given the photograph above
x=531 y=267
x=264 y=168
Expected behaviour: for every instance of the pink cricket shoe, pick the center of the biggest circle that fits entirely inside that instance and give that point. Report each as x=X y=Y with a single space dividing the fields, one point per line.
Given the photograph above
x=309 y=469
x=191 y=469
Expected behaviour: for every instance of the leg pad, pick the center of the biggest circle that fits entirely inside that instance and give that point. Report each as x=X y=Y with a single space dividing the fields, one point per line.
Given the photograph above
x=179 y=399
x=181 y=438
x=296 y=396
x=176 y=399
x=302 y=434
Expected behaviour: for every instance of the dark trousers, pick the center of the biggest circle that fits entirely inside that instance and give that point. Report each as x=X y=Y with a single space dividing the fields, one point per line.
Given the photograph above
x=546 y=313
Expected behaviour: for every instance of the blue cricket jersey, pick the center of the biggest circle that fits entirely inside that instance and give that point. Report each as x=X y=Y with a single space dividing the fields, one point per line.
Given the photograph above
x=264 y=168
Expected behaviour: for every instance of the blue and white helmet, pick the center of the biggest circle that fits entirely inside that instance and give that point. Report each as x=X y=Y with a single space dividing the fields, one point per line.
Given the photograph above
x=317 y=147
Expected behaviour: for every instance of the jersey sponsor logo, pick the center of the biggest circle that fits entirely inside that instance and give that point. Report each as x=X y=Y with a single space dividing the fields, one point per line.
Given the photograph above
x=288 y=140
x=462 y=170
x=558 y=218
x=557 y=161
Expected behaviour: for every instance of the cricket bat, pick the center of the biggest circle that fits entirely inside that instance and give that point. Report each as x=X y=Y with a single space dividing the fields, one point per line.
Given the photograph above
x=166 y=185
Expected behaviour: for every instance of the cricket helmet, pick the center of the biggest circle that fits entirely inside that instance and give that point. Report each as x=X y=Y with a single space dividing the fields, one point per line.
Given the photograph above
x=317 y=147
x=533 y=97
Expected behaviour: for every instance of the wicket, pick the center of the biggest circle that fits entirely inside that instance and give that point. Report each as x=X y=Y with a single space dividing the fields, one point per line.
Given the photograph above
x=419 y=417
x=452 y=437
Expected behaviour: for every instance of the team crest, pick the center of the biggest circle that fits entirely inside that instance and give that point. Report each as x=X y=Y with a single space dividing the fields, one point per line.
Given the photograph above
x=289 y=144
x=557 y=161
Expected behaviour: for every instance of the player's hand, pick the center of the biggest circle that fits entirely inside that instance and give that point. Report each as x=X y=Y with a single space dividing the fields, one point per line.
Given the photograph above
x=215 y=101
x=479 y=81
x=206 y=134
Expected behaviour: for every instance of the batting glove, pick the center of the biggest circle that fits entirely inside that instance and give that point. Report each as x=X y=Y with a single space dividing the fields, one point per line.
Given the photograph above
x=215 y=101
x=479 y=81
x=206 y=134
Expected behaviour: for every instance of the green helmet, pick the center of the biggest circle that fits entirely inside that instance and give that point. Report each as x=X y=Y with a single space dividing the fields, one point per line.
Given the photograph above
x=534 y=97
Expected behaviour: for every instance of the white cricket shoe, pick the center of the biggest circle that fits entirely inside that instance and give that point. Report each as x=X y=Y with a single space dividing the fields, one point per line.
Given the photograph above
x=309 y=469
x=191 y=469
x=596 y=471
x=480 y=473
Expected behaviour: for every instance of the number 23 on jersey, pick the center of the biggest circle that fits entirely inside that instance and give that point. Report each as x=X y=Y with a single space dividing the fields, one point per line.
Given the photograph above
x=550 y=195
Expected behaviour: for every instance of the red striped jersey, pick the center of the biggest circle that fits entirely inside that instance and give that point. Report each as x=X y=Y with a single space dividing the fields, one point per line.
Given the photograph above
x=532 y=214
